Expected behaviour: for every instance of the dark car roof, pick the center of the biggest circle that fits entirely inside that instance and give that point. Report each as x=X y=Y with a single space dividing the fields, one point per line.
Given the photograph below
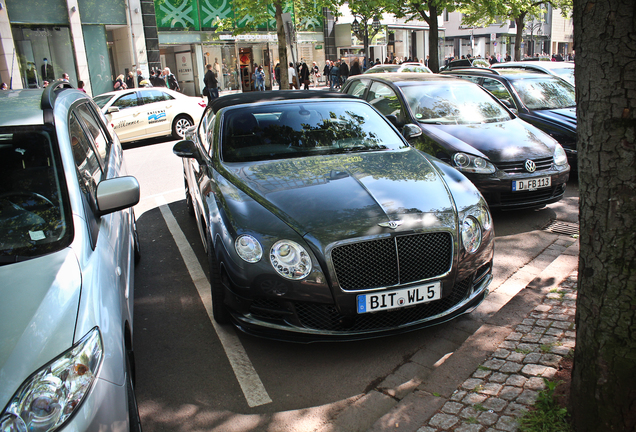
x=273 y=96
x=505 y=72
x=401 y=77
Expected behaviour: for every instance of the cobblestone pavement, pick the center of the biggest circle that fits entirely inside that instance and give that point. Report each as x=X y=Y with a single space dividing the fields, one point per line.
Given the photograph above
x=508 y=382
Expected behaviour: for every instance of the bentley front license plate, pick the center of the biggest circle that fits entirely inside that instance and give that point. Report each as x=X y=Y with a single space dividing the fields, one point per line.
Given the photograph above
x=399 y=298
x=531 y=184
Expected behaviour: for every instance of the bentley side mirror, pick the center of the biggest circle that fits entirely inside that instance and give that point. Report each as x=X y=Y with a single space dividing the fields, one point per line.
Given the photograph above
x=411 y=130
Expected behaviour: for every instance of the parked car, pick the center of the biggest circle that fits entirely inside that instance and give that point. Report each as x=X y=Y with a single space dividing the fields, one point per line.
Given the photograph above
x=321 y=222
x=150 y=112
x=404 y=67
x=67 y=249
x=513 y=164
x=543 y=100
x=468 y=62
x=563 y=70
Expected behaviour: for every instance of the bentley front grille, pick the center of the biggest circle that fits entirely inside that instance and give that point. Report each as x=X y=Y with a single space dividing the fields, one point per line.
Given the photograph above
x=388 y=262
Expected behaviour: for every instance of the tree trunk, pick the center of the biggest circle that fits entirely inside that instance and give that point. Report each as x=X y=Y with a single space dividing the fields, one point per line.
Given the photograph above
x=433 y=39
x=282 y=45
x=603 y=392
x=519 y=21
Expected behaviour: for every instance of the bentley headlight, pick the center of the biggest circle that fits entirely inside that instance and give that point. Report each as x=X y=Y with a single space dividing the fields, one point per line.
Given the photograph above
x=472 y=164
x=290 y=259
x=50 y=396
x=560 y=158
x=248 y=248
x=471 y=234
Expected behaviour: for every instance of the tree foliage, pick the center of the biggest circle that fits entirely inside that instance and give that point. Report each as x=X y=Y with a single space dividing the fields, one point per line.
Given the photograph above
x=487 y=12
x=428 y=11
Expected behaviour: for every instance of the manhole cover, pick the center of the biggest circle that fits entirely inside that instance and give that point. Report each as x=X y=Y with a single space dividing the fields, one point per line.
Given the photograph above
x=559 y=227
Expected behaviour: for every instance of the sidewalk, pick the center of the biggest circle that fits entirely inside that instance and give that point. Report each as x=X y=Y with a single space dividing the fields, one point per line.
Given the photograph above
x=532 y=333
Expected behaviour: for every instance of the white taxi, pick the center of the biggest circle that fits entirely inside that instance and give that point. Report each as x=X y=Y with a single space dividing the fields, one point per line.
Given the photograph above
x=150 y=112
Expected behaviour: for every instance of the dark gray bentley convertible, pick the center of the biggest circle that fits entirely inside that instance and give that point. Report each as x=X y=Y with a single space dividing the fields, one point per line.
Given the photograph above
x=322 y=223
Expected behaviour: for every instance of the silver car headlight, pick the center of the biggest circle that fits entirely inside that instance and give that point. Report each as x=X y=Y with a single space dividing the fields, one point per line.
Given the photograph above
x=248 y=248
x=290 y=259
x=560 y=158
x=52 y=394
x=475 y=224
x=472 y=164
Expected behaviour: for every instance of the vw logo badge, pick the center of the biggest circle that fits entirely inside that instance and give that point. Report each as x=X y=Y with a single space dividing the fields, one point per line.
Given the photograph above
x=390 y=224
x=530 y=166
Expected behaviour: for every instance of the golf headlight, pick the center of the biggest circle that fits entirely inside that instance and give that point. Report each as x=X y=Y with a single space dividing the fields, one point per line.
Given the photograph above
x=560 y=158
x=248 y=248
x=52 y=394
x=290 y=259
x=472 y=164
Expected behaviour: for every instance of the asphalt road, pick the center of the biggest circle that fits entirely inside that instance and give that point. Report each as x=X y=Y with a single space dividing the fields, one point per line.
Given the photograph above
x=194 y=375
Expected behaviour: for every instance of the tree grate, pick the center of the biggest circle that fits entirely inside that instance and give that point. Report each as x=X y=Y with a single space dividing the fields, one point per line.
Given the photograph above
x=558 y=227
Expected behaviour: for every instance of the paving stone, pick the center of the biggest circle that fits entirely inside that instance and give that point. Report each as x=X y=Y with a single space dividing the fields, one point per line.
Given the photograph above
x=474 y=398
x=511 y=367
x=443 y=421
x=514 y=336
x=535 y=383
x=561 y=324
x=495 y=404
x=542 y=308
x=559 y=317
x=570 y=334
x=560 y=350
x=515 y=409
x=548 y=340
x=516 y=380
x=488 y=418
x=508 y=344
x=471 y=383
x=554 y=332
x=538 y=315
x=527 y=397
x=501 y=353
x=523 y=328
x=491 y=389
x=458 y=395
x=534 y=357
x=498 y=377
x=528 y=347
x=516 y=357
x=533 y=370
x=426 y=429
x=510 y=392
x=494 y=364
x=469 y=428
x=508 y=424
x=531 y=338
x=452 y=408
x=552 y=360
x=469 y=412
x=568 y=342
x=482 y=373
x=544 y=323
x=538 y=330
x=528 y=321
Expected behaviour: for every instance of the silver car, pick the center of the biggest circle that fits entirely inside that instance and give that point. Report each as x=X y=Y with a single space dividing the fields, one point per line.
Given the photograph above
x=68 y=245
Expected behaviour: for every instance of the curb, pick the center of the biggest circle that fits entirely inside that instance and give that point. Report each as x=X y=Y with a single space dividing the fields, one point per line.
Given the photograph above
x=441 y=386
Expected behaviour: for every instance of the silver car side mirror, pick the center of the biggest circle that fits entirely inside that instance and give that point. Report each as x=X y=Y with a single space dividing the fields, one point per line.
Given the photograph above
x=117 y=194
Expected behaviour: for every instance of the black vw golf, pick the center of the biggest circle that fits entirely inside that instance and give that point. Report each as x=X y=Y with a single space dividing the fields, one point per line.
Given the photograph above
x=321 y=222
x=513 y=164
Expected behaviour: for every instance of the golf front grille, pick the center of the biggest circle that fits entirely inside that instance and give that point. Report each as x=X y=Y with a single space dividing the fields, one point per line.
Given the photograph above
x=392 y=261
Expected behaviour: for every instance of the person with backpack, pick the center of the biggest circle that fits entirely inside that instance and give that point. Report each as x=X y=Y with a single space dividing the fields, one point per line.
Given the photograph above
x=171 y=80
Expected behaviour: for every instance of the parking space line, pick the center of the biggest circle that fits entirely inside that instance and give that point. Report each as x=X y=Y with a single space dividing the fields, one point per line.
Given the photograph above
x=248 y=379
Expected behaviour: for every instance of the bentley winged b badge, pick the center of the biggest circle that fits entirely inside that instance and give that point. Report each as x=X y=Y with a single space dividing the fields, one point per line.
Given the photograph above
x=391 y=224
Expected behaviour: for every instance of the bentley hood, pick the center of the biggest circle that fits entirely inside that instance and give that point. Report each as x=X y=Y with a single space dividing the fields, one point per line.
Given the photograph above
x=38 y=311
x=347 y=195
x=499 y=142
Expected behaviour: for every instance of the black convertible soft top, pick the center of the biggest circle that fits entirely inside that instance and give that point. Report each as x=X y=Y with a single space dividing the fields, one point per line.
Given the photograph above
x=273 y=96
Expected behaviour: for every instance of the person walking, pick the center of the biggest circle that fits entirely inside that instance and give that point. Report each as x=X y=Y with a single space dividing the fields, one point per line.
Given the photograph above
x=327 y=73
x=211 y=84
x=292 y=76
x=277 y=75
x=130 y=80
x=334 y=83
x=304 y=76
x=259 y=78
x=119 y=83
x=355 y=69
x=171 y=80
x=344 y=72
x=315 y=74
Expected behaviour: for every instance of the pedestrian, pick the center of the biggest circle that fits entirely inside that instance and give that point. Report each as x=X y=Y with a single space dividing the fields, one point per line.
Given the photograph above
x=315 y=74
x=140 y=78
x=80 y=86
x=335 y=76
x=304 y=76
x=130 y=80
x=211 y=89
x=355 y=69
x=344 y=71
x=65 y=77
x=4 y=86
x=277 y=74
x=171 y=80
x=120 y=83
x=292 y=76
x=326 y=71
x=259 y=81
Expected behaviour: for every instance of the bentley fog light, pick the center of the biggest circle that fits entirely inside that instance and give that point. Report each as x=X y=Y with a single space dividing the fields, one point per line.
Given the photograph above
x=52 y=394
x=248 y=248
x=471 y=234
x=290 y=259
x=472 y=164
x=560 y=158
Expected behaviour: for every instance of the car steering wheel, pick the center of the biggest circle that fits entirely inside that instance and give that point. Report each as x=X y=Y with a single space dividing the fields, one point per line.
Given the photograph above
x=35 y=195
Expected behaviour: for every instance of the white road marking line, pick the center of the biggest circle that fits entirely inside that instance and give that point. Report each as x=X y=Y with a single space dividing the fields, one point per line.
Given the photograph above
x=248 y=379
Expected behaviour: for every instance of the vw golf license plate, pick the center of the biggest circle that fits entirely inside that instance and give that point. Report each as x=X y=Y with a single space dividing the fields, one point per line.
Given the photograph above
x=399 y=298
x=531 y=184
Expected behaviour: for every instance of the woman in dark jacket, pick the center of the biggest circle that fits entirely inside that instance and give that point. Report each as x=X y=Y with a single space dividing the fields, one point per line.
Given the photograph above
x=304 y=76
x=355 y=69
